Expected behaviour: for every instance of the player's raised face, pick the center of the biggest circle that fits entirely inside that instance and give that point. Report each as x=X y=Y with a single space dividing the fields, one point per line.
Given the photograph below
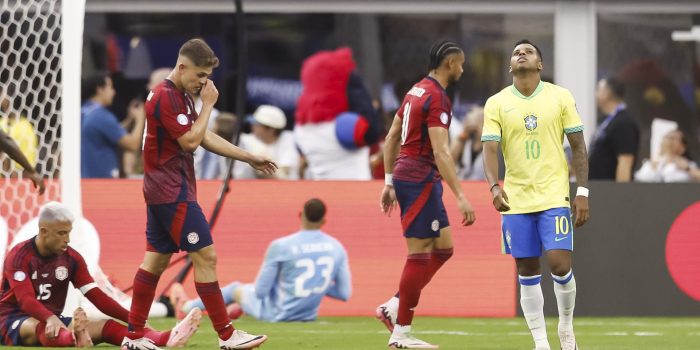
x=56 y=235
x=455 y=62
x=525 y=58
x=193 y=77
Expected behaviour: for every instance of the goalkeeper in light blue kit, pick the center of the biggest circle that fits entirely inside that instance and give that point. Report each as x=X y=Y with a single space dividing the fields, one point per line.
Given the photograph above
x=298 y=271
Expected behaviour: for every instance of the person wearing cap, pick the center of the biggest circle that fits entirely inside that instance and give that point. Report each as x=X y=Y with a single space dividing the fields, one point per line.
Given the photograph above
x=269 y=138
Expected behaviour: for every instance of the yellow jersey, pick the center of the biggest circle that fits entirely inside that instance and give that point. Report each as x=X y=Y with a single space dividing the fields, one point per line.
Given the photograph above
x=531 y=132
x=22 y=131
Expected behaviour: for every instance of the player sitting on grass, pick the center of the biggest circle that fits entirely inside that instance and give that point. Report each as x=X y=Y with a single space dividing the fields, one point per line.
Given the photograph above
x=36 y=276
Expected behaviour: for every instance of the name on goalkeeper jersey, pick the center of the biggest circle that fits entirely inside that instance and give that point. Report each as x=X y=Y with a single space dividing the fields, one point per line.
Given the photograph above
x=312 y=248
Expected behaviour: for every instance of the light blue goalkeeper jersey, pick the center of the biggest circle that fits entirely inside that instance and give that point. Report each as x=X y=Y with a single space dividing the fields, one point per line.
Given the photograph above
x=298 y=271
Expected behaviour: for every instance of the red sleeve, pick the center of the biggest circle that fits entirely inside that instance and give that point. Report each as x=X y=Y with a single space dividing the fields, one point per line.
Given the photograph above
x=107 y=305
x=81 y=276
x=439 y=114
x=17 y=273
x=173 y=114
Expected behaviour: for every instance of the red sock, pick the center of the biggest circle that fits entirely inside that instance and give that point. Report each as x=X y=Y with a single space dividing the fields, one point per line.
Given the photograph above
x=412 y=282
x=144 y=291
x=159 y=338
x=114 y=332
x=438 y=257
x=64 y=338
x=213 y=302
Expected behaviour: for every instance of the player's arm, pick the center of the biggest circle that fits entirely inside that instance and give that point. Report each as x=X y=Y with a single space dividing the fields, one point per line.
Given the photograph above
x=623 y=172
x=439 y=138
x=190 y=140
x=580 y=164
x=84 y=282
x=10 y=147
x=217 y=144
x=342 y=285
x=268 y=273
x=387 y=201
x=491 y=140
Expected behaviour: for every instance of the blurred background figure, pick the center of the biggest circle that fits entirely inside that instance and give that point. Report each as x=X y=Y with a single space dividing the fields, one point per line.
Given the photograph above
x=19 y=129
x=616 y=141
x=209 y=165
x=335 y=119
x=269 y=139
x=102 y=136
x=673 y=163
x=466 y=148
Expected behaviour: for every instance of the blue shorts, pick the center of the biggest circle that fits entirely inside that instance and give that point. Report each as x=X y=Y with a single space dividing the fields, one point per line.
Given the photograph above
x=9 y=328
x=177 y=226
x=422 y=213
x=524 y=235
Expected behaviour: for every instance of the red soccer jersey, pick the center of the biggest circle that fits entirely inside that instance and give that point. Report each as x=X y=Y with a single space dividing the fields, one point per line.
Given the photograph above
x=49 y=277
x=168 y=170
x=425 y=106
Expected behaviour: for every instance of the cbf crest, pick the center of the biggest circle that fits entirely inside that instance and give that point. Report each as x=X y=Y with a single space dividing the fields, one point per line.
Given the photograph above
x=530 y=122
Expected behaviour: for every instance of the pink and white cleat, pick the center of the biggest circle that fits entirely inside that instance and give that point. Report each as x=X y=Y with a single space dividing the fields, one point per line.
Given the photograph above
x=386 y=315
x=242 y=340
x=185 y=329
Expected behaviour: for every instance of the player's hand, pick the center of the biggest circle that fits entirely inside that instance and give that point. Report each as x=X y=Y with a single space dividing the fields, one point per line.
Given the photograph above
x=500 y=199
x=136 y=111
x=263 y=165
x=581 y=210
x=387 y=202
x=53 y=325
x=209 y=93
x=467 y=211
x=38 y=181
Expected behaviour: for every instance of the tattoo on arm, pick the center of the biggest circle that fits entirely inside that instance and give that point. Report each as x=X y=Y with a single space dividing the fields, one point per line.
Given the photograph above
x=580 y=158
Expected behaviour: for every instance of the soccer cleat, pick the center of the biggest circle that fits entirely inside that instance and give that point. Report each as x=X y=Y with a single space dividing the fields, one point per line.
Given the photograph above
x=567 y=339
x=386 y=315
x=138 y=344
x=234 y=311
x=409 y=342
x=241 y=340
x=185 y=329
x=80 y=329
x=178 y=297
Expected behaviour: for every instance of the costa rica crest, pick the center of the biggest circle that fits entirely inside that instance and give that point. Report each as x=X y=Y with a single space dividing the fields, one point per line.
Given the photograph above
x=530 y=122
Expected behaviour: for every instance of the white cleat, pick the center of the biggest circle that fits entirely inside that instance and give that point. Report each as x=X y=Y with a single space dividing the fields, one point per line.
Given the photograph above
x=242 y=340
x=80 y=329
x=386 y=315
x=138 y=344
x=185 y=329
x=409 y=342
x=567 y=339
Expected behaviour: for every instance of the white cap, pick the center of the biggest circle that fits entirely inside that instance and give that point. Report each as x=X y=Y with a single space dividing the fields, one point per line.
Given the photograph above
x=270 y=116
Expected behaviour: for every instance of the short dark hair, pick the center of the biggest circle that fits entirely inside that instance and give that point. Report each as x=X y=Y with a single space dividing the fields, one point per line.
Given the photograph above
x=314 y=210
x=616 y=86
x=525 y=41
x=93 y=82
x=440 y=50
x=199 y=53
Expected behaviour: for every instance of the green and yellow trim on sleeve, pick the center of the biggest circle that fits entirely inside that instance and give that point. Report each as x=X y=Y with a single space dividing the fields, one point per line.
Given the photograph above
x=567 y=130
x=492 y=138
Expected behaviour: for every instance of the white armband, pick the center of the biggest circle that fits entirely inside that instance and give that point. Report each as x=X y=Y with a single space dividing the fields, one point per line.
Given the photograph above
x=388 y=179
x=582 y=191
x=86 y=288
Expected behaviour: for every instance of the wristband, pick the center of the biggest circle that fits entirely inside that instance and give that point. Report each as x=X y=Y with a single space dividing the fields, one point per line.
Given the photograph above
x=388 y=179
x=492 y=186
x=582 y=191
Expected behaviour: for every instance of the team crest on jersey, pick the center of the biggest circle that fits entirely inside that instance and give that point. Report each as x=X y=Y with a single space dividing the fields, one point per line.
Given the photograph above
x=530 y=122
x=19 y=276
x=193 y=237
x=444 y=118
x=182 y=119
x=61 y=273
x=435 y=225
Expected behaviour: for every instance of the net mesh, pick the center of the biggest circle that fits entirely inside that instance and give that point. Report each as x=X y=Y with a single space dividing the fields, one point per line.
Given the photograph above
x=30 y=96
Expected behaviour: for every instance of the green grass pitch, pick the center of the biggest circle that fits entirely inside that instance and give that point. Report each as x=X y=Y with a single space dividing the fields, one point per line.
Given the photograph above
x=360 y=333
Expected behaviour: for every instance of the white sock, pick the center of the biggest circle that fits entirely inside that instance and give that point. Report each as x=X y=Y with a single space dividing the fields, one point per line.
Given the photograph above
x=565 y=290
x=532 y=302
x=401 y=331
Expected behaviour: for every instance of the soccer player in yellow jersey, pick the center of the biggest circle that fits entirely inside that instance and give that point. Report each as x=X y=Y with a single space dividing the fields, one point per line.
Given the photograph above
x=529 y=119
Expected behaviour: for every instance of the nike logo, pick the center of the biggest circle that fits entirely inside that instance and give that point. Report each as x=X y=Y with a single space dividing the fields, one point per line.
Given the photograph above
x=557 y=239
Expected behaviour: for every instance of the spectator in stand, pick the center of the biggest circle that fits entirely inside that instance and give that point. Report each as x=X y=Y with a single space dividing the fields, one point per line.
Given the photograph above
x=102 y=136
x=672 y=164
x=269 y=139
x=616 y=140
x=466 y=148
